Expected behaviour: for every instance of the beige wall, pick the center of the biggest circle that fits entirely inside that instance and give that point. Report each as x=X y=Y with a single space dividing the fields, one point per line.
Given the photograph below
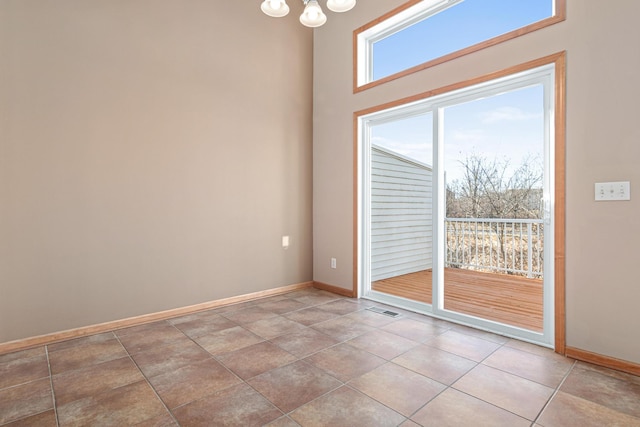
x=152 y=154
x=603 y=144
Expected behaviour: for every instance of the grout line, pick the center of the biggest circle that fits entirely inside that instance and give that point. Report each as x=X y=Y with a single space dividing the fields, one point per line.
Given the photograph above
x=446 y=386
x=53 y=393
x=451 y=386
x=287 y=414
x=555 y=392
x=147 y=381
x=406 y=418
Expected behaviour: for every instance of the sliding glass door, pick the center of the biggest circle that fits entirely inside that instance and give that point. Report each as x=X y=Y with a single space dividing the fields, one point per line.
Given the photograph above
x=455 y=205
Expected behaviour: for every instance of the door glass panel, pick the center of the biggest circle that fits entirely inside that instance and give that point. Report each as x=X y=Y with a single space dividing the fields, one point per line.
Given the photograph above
x=493 y=226
x=401 y=153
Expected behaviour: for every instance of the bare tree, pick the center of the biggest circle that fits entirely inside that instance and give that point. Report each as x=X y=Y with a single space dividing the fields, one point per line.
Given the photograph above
x=491 y=188
x=488 y=190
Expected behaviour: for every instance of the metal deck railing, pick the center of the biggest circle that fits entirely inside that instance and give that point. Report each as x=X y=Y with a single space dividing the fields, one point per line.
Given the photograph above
x=508 y=246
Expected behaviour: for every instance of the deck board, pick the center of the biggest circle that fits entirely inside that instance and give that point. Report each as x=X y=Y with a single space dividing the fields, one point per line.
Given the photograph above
x=504 y=298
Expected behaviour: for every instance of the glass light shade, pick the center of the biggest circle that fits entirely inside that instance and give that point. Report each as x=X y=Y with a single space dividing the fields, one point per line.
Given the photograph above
x=313 y=15
x=341 y=5
x=275 y=8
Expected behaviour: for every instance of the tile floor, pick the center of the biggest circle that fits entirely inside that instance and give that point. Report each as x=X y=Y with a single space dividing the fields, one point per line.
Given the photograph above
x=308 y=358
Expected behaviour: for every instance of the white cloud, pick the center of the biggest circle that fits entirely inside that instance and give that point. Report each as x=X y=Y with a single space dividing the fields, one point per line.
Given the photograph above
x=468 y=135
x=507 y=114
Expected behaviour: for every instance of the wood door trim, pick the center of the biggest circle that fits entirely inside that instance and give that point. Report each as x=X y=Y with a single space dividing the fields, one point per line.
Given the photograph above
x=601 y=360
x=559 y=60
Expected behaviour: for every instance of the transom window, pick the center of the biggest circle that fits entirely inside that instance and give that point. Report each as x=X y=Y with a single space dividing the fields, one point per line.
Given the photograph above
x=424 y=33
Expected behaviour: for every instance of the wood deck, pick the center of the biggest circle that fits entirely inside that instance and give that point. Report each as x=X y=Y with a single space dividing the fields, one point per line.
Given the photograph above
x=508 y=299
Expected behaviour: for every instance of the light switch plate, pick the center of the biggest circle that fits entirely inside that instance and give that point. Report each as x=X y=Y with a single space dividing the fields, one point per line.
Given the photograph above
x=608 y=191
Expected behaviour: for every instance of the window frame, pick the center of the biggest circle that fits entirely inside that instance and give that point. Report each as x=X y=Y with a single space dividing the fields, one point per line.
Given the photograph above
x=410 y=13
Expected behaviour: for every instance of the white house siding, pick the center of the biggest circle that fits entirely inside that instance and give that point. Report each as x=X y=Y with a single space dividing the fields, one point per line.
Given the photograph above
x=401 y=230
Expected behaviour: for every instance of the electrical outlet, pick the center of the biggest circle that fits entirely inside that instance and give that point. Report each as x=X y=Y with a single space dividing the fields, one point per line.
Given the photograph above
x=607 y=191
x=334 y=263
x=285 y=242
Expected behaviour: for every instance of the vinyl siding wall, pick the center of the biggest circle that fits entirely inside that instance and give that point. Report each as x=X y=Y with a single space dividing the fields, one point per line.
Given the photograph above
x=401 y=224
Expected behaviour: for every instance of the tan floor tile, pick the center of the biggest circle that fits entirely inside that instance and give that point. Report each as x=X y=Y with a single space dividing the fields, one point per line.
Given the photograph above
x=203 y=323
x=414 y=330
x=291 y=386
x=535 y=349
x=383 y=344
x=487 y=336
x=235 y=406
x=342 y=329
x=282 y=306
x=147 y=337
x=455 y=409
x=165 y=420
x=614 y=393
x=159 y=327
x=256 y=359
x=317 y=298
x=24 y=354
x=304 y=342
x=566 y=410
x=345 y=306
x=283 y=422
x=345 y=362
x=423 y=318
x=436 y=364
x=409 y=423
x=192 y=382
x=346 y=407
x=306 y=291
x=274 y=298
x=227 y=340
x=235 y=307
x=90 y=339
x=170 y=357
x=546 y=371
x=463 y=345
x=126 y=405
x=634 y=379
x=398 y=388
x=201 y=315
x=43 y=419
x=83 y=352
x=310 y=316
x=249 y=315
x=522 y=397
x=274 y=327
x=23 y=367
x=94 y=379
x=370 y=318
x=25 y=400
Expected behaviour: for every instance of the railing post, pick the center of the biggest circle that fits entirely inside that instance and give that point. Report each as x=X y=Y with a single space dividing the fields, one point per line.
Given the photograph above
x=529 y=250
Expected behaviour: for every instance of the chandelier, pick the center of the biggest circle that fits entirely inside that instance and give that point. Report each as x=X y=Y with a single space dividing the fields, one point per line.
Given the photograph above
x=312 y=15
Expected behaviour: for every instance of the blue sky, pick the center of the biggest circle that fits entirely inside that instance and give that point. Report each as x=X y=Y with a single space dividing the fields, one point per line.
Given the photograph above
x=508 y=127
x=504 y=127
x=457 y=27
